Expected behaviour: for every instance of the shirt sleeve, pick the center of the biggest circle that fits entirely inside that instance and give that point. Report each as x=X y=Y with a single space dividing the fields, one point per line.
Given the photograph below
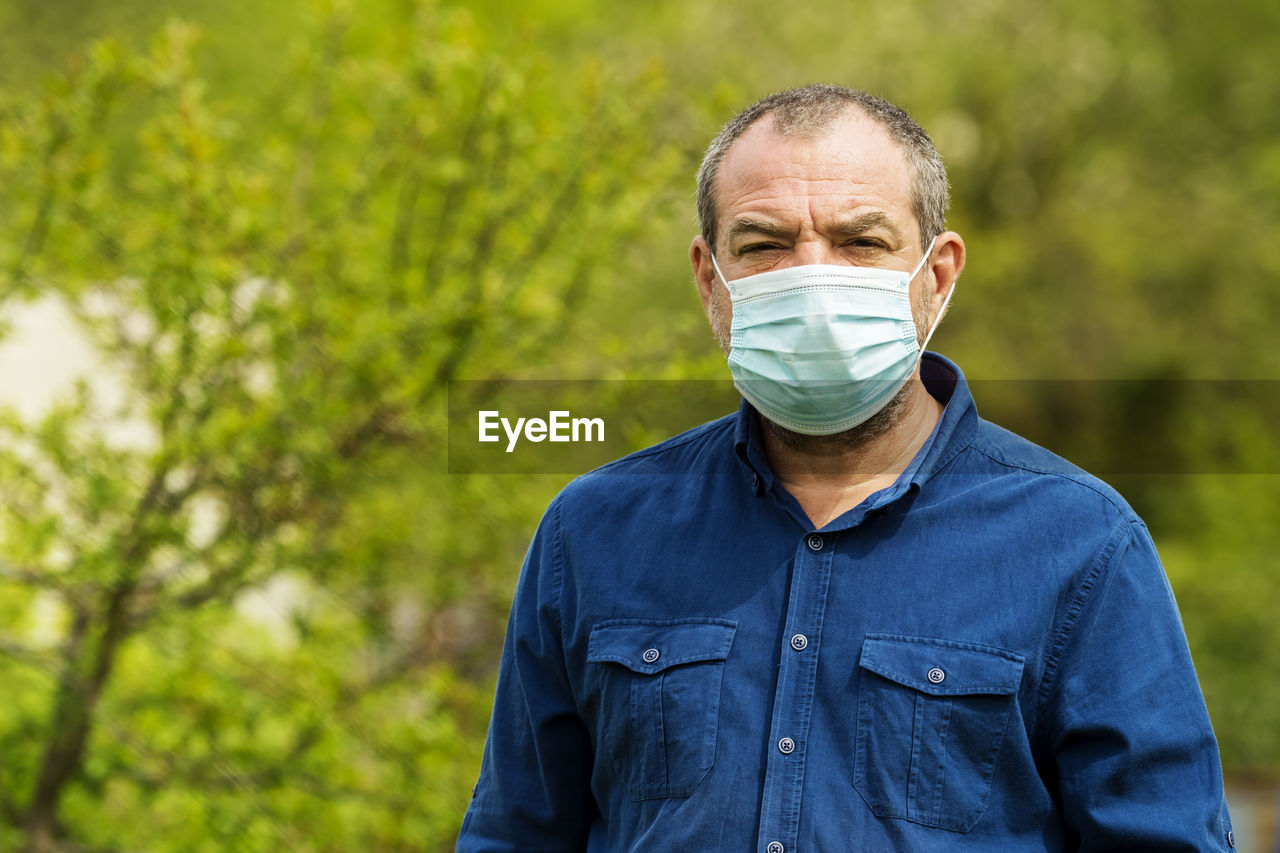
x=1135 y=756
x=534 y=788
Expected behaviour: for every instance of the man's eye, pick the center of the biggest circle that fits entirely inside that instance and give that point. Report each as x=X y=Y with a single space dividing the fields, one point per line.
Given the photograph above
x=758 y=247
x=865 y=243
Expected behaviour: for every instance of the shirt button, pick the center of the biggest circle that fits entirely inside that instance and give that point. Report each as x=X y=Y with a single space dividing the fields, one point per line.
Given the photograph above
x=1231 y=839
x=651 y=655
x=937 y=676
x=815 y=543
x=775 y=847
x=799 y=642
x=786 y=746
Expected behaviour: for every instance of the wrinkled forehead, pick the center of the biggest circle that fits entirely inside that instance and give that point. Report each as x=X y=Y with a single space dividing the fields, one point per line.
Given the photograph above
x=852 y=157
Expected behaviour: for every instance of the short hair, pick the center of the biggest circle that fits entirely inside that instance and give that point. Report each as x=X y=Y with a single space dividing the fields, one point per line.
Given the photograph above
x=809 y=110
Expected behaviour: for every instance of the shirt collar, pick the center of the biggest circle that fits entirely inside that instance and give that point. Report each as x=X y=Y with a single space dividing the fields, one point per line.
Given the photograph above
x=749 y=446
x=943 y=380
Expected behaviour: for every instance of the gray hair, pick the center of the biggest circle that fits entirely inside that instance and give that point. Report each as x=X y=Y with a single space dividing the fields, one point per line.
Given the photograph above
x=808 y=111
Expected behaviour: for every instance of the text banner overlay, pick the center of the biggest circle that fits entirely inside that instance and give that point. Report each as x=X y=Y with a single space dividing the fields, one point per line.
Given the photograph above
x=1108 y=427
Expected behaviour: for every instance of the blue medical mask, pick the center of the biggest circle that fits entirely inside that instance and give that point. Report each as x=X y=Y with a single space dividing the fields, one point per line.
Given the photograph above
x=821 y=348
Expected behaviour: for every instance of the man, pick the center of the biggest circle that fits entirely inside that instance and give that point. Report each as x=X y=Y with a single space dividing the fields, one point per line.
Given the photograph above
x=854 y=616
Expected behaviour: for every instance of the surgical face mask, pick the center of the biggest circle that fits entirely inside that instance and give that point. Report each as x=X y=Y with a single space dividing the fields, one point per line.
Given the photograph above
x=821 y=348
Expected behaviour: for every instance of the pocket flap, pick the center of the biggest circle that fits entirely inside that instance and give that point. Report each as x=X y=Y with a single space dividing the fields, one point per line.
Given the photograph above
x=940 y=667
x=650 y=646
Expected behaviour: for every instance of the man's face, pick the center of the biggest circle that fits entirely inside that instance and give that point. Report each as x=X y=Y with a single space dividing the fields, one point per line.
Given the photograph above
x=842 y=197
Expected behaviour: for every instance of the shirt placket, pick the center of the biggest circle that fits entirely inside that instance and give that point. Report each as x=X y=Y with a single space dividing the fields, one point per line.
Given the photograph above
x=793 y=695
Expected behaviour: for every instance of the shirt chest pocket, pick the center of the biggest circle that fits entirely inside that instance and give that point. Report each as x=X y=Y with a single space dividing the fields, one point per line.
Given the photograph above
x=659 y=685
x=932 y=717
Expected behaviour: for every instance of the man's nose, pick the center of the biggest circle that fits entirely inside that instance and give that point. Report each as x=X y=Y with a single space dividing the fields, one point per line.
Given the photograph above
x=815 y=252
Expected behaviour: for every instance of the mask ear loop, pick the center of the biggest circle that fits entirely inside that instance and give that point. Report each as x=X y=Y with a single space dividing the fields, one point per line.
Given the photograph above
x=716 y=267
x=946 y=300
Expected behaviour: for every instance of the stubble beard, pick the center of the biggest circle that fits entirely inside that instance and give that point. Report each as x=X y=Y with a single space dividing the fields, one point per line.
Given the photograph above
x=852 y=438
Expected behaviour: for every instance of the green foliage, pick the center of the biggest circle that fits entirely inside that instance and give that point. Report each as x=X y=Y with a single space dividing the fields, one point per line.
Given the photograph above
x=1224 y=574
x=234 y=618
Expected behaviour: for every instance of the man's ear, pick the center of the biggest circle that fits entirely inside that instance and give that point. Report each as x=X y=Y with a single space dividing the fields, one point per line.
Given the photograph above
x=703 y=273
x=946 y=266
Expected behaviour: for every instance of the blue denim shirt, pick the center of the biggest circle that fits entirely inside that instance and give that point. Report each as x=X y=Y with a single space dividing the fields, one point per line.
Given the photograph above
x=984 y=656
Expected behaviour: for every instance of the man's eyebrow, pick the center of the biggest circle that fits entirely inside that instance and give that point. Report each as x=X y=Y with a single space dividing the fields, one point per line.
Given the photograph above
x=860 y=224
x=748 y=225
x=866 y=222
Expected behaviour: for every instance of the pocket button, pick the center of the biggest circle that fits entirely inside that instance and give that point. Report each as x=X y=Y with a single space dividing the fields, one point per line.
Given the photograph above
x=651 y=655
x=936 y=675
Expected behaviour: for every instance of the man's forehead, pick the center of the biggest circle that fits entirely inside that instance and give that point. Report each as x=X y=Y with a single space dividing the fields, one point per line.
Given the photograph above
x=853 y=152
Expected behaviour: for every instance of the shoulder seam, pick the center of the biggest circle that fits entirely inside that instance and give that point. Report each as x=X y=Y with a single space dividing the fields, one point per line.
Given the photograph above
x=1098 y=565
x=557 y=566
x=1079 y=481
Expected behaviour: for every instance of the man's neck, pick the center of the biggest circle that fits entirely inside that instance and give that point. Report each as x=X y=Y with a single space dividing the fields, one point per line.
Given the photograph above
x=828 y=476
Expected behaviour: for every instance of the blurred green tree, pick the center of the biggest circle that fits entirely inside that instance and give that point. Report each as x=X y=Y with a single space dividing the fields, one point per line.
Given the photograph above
x=234 y=614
